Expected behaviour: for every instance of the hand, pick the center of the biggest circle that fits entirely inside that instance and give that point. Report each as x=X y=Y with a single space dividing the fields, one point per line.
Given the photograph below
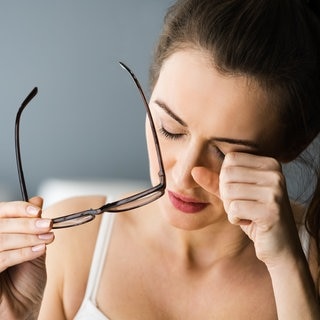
x=253 y=191
x=23 y=239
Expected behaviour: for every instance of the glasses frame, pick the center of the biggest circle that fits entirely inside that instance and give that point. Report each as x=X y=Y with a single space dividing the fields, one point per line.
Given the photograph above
x=89 y=215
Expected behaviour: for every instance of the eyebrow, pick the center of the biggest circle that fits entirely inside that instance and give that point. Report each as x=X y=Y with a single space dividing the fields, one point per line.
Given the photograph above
x=247 y=143
x=164 y=107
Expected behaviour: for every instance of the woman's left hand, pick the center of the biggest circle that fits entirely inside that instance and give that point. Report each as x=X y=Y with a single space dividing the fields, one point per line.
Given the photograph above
x=253 y=191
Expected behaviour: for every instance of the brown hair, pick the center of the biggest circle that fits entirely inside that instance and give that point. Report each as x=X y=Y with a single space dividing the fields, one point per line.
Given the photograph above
x=274 y=42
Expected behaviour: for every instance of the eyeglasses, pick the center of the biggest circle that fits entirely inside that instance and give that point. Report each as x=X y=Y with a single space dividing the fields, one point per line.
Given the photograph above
x=131 y=202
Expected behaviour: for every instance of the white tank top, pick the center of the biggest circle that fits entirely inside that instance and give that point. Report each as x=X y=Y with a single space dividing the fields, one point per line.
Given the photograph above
x=88 y=309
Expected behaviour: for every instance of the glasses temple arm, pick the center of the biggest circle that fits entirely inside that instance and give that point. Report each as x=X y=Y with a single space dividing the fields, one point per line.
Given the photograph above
x=23 y=188
x=156 y=140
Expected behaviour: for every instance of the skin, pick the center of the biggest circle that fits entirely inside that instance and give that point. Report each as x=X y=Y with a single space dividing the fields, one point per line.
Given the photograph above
x=24 y=236
x=237 y=258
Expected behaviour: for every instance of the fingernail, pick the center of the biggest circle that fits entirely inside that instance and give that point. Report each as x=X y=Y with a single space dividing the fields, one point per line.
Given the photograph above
x=33 y=211
x=46 y=236
x=43 y=223
x=39 y=247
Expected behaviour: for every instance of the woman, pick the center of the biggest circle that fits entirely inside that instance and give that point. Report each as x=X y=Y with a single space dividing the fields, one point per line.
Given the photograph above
x=235 y=93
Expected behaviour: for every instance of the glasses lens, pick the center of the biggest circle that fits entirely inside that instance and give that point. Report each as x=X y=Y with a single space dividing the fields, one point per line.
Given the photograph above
x=134 y=176
x=138 y=201
x=71 y=220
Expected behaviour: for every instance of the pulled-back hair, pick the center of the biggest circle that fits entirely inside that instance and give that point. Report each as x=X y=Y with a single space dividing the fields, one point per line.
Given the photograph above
x=274 y=42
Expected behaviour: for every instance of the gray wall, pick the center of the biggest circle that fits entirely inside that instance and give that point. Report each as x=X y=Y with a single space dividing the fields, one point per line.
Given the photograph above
x=69 y=49
x=84 y=123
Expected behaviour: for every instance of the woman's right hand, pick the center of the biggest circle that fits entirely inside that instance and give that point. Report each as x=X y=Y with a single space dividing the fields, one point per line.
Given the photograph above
x=23 y=239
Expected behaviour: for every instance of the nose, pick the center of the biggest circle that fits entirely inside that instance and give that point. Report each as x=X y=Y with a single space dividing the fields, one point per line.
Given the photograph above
x=186 y=160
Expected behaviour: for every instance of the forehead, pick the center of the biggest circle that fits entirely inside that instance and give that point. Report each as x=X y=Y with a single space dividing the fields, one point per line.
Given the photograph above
x=225 y=105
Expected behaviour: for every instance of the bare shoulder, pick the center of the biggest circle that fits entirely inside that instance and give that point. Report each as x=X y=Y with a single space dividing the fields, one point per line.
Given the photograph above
x=73 y=236
x=77 y=242
x=69 y=256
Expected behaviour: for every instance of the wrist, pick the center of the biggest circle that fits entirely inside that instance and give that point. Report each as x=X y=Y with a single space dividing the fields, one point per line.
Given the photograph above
x=294 y=289
x=287 y=260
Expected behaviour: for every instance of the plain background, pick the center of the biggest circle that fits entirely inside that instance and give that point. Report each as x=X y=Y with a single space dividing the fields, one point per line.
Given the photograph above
x=70 y=50
x=84 y=123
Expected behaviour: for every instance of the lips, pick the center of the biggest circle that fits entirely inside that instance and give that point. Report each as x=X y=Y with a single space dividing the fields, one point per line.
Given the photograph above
x=185 y=204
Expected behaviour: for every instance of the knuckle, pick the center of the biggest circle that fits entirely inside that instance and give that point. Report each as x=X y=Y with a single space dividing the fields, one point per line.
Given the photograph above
x=228 y=190
x=24 y=254
x=265 y=227
x=28 y=225
x=223 y=191
x=233 y=218
x=278 y=184
x=273 y=164
x=274 y=212
x=272 y=200
x=231 y=157
x=277 y=177
x=226 y=173
x=234 y=207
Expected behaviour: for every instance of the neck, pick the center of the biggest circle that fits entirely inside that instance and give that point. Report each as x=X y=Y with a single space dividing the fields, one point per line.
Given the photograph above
x=206 y=246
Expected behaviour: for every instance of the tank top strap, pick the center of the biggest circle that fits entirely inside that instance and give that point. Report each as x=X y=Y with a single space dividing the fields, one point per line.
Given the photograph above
x=100 y=252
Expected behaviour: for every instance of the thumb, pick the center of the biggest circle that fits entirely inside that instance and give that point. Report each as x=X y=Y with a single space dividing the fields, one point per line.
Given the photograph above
x=207 y=179
x=37 y=201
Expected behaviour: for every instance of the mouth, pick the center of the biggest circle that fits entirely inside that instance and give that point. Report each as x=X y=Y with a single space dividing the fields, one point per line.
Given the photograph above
x=185 y=204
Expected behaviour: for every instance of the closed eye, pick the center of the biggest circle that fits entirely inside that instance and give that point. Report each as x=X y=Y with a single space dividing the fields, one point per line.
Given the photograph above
x=170 y=135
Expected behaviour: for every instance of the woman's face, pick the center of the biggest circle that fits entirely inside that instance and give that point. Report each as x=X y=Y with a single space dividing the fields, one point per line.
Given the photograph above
x=201 y=115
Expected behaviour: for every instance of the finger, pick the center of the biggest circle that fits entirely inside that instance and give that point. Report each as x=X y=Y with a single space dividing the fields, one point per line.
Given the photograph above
x=246 y=191
x=17 y=256
x=25 y=225
x=17 y=241
x=207 y=179
x=251 y=175
x=20 y=209
x=37 y=201
x=241 y=211
x=251 y=161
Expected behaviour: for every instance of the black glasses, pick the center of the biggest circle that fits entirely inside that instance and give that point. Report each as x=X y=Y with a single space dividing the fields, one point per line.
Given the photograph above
x=131 y=202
